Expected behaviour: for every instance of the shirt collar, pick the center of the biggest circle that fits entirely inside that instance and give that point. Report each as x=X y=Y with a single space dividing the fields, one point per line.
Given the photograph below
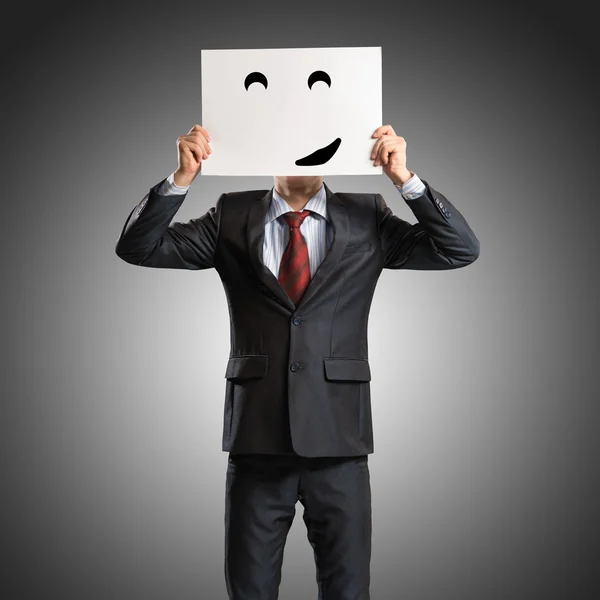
x=279 y=206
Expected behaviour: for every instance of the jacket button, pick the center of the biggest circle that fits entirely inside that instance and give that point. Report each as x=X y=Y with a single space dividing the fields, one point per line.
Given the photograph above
x=294 y=367
x=297 y=320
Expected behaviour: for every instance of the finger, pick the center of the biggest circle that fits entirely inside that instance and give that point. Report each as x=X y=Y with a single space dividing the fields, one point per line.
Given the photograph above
x=376 y=147
x=187 y=153
x=397 y=144
x=383 y=130
x=385 y=153
x=187 y=159
x=382 y=144
x=197 y=150
x=197 y=127
x=199 y=138
x=198 y=142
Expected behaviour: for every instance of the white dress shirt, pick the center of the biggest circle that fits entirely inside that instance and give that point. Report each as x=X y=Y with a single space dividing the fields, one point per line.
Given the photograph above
x=315 y=228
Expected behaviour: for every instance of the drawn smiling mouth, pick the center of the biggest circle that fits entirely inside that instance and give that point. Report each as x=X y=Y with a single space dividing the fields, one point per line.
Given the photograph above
x=320 y=156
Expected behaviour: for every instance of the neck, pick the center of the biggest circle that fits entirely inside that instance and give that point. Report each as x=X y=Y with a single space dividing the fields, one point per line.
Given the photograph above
x=297 y=191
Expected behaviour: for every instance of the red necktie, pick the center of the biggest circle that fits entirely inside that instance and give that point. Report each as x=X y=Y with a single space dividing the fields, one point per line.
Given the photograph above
x=294 y=269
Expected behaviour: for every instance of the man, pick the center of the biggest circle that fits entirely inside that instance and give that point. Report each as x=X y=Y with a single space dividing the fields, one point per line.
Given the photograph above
x=299 y=265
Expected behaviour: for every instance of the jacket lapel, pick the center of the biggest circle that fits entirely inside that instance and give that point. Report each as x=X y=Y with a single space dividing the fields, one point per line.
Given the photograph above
x=255 y=232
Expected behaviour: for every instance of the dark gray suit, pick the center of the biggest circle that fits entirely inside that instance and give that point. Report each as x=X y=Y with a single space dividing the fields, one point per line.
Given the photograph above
x=298 y=376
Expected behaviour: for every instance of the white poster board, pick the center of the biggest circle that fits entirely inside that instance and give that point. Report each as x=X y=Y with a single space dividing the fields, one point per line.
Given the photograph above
x=291 y=111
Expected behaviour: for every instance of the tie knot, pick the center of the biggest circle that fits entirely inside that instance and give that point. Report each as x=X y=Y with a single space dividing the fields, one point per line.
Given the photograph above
x=295 y=219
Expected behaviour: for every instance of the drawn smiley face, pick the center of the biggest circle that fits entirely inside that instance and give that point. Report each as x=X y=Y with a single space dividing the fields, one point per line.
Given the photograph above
x=286 y=111
x=321 y=155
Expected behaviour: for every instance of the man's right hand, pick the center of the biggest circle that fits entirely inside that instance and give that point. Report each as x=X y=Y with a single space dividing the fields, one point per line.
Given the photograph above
x=193 y=149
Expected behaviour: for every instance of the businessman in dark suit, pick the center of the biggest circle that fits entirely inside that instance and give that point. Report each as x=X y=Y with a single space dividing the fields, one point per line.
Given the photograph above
x=299 y=265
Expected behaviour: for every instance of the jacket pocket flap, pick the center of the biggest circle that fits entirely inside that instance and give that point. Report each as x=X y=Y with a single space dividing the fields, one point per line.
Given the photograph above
x=354 y=369
x=247 y=367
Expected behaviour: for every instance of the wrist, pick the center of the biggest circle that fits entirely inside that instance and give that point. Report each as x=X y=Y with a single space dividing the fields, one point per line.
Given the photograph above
x=183 y=179
x=401 y=177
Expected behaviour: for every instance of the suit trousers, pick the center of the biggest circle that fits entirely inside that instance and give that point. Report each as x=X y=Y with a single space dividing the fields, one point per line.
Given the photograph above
x=261 y=495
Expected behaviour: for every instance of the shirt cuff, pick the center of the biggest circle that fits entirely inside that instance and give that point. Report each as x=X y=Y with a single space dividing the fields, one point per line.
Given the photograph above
x=169 y=188
x=411 y=189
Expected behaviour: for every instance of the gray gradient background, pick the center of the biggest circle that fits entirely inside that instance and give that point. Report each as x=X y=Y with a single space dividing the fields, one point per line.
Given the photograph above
x=485 y=379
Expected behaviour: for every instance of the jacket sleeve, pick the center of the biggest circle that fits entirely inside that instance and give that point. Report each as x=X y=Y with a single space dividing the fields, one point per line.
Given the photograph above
x=149 y=240
x=442 y=238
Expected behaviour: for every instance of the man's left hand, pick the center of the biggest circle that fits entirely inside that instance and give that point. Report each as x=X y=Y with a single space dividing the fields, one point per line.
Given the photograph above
x=390 y=151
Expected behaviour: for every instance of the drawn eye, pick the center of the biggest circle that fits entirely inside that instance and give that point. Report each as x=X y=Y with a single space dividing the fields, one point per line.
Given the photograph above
x=255 y=77
x=318 y=76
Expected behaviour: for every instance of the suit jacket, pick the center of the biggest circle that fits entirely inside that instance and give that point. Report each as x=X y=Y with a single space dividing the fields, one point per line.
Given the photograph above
x=298 y=377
